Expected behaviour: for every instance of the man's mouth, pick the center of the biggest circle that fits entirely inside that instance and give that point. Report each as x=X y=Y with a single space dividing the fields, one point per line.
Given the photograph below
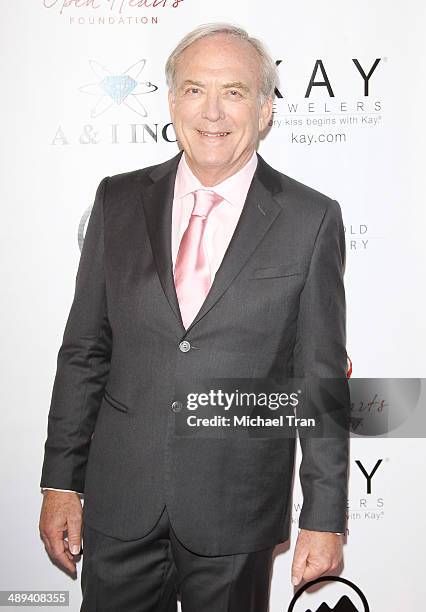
x=213 y=134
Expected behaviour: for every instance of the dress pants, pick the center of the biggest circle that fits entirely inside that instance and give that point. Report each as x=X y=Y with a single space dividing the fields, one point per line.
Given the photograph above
x=146 y=575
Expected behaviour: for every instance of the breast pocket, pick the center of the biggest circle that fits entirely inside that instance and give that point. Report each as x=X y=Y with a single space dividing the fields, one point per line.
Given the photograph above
x=276 y=271
x=114 y=402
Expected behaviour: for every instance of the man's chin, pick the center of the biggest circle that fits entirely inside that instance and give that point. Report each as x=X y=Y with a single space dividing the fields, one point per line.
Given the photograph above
x=201 y=158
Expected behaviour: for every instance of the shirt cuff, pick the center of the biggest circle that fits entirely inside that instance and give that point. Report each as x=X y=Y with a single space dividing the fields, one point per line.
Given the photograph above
x=335 y=532
x=64 y=490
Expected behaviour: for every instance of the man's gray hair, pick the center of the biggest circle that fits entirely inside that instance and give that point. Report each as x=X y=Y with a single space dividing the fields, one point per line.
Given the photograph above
x=268 y=69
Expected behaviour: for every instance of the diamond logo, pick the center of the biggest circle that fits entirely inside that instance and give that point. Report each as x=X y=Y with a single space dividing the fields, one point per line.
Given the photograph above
x=115 y=89
x=118 y=87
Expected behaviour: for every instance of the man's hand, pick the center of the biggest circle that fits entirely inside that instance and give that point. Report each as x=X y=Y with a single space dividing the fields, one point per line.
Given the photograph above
x=61 y=512
x=316 y=553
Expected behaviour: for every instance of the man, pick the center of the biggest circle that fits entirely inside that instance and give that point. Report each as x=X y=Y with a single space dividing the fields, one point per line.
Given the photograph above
x=212 y=264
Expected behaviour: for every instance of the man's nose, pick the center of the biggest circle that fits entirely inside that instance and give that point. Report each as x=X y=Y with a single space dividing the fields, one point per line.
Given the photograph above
x=213 y=107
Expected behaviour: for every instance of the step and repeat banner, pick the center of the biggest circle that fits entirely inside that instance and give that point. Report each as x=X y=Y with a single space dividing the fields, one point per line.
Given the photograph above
x=84 y=96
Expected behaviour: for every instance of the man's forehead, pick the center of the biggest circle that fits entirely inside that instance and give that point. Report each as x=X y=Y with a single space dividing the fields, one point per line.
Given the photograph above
x=227 y=53
x=221 y=41
x=227 y=64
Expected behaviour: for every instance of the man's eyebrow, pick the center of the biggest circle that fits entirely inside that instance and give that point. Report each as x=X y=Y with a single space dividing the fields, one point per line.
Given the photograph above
x=191 y=82
x=236 y=85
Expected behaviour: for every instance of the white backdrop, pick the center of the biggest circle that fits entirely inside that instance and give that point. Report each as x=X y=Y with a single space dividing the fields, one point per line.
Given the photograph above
x=61 y=133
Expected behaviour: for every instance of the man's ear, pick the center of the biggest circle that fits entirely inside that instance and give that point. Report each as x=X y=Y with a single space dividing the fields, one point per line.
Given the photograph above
x=265 y=113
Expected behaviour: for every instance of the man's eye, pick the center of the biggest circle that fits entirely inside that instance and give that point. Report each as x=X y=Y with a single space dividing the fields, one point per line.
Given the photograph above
x=234 y=93
x=192 y=90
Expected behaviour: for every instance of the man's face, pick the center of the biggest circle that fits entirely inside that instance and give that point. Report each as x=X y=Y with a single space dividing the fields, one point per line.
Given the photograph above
x=216 y=111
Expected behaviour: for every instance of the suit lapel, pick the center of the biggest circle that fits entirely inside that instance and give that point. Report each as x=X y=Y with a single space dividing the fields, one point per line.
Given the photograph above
x=259 y=212
x=158 y=201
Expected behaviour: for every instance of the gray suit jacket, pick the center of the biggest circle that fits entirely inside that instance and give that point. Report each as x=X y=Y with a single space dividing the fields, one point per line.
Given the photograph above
x=276 y=309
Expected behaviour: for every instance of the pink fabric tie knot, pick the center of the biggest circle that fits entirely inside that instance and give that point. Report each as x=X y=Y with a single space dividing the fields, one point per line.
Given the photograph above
x=192 y=270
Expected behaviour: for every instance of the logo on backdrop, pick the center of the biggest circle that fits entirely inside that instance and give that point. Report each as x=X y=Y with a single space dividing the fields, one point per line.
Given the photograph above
x=321 y=113
x=368 y=505
x=115 y=93
x=318 y=117
x=386 y=406
x=114 y=89
x=357 y=237
x=111 y=12
x=335 y=595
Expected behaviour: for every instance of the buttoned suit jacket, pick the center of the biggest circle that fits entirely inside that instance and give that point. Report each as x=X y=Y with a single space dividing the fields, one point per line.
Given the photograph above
x=276 y=309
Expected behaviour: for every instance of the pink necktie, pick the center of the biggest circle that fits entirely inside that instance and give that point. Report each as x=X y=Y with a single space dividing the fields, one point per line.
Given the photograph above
x=192 y=271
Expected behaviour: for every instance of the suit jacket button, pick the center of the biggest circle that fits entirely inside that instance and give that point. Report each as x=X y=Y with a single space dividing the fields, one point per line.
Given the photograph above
x=184 y=346
x=177 y=406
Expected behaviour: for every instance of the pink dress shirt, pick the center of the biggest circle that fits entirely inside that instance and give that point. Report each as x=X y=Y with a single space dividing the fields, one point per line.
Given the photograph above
x=222 y=220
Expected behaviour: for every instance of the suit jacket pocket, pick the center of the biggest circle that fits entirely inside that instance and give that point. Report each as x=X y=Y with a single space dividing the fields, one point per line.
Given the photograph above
x=114 y=402
x=276 y=271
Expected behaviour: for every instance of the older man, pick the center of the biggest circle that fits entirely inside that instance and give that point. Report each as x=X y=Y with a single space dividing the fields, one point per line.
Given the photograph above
x=209 y=265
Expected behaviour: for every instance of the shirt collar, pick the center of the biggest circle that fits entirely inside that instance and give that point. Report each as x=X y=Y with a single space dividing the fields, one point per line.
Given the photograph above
x=233 y=189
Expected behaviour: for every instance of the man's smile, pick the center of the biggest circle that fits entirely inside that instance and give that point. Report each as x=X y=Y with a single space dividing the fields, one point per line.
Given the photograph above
x=213 y=134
